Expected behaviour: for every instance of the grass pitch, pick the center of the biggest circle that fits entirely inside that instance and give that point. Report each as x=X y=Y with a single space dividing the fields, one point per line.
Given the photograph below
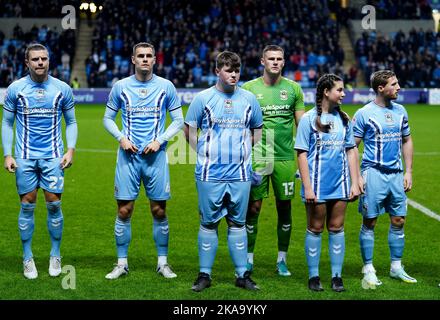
x=88 y=242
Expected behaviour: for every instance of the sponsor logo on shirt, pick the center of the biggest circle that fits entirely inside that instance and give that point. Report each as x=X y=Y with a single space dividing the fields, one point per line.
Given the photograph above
x=144 y=111
x=39 y=112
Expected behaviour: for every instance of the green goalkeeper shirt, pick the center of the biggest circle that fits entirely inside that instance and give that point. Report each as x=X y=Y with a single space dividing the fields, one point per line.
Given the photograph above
x=278 y=103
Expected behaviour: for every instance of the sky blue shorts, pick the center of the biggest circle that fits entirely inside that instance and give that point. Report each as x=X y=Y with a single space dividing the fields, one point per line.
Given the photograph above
x=384 y=192
x=223 y=199
x=42 y=173
x=151 y=169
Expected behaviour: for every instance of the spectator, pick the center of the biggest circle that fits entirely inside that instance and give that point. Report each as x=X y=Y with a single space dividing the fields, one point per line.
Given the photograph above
x=413 y=56
x=75 y=83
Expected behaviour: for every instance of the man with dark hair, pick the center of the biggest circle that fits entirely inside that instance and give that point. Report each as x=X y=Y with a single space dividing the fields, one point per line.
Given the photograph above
x=144 y=100
x=226 y=115
x=282 y=103
x=383 y=127
x=38 y=102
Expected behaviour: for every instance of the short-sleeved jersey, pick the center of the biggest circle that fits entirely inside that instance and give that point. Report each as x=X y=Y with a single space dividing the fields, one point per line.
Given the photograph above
x=38 y=109
x=278 y=103
x=143 y=106
x=381 y=129
x=326 y=154
x=224 y=144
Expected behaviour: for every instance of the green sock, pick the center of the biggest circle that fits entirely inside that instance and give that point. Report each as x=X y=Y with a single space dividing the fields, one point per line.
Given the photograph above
x=252 y=229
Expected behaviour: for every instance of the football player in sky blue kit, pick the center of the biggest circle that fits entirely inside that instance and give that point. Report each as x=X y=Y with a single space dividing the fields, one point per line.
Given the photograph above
x=327 y=158
x=226 y=116
x=144 y=99
x=383 y=127
x=38 y=102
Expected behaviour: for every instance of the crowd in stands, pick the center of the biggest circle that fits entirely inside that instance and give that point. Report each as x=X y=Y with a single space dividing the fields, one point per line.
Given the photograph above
x=34 y=8
x=414 y=57
x=61 y=47
x=189 y=34
x=61 y=43
x=401 y=9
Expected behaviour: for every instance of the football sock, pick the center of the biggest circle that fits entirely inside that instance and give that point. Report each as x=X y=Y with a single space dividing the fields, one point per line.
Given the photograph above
x=284 y=228
x=396 y=264
x=282 y=255
x=122 y=236
x=396 y=242
x=252 y=230
x=122 y=262
x=26 y=228
x=237 y=244
x=161 y=235
x=366 y=240
x=208 y=243
x=336 y=249
x=250 y=257
x=313 y=252
x=55 y=222
x=161 y=260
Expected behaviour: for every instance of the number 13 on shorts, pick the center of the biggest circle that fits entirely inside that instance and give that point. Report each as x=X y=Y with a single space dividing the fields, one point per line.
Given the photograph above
x=288 y=188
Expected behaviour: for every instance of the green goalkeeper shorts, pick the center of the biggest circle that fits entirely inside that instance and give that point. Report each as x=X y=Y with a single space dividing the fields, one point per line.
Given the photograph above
x=282 y=174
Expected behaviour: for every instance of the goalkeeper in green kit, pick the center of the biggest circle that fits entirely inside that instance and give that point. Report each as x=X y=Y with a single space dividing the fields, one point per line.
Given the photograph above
x=282 y=103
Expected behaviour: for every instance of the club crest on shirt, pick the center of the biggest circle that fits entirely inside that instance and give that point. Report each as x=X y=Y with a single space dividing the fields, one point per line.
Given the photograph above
x=39 y=94
x=260 y=96
x=389 y=118
x=283 y=95
x=332 y=126
x=228 y=106
x=142 y=93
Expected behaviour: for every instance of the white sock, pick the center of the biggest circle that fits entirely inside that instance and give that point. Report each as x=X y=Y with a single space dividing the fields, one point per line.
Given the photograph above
x=250 y=257
x=395 y=265
x=122 y=262
x=368 y=267
x=161 y=260
x=282 y=255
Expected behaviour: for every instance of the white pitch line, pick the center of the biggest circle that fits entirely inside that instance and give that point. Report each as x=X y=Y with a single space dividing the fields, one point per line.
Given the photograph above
x=96 y=150
x=423 y=209
x=427 y=153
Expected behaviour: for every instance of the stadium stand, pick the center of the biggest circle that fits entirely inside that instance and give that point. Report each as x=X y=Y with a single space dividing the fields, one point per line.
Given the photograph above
x=404 y=41
x=61 y=49
x=35 y=8
x=61 y=43
x=401 y=9
x=414 y=56
x=188 y=35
